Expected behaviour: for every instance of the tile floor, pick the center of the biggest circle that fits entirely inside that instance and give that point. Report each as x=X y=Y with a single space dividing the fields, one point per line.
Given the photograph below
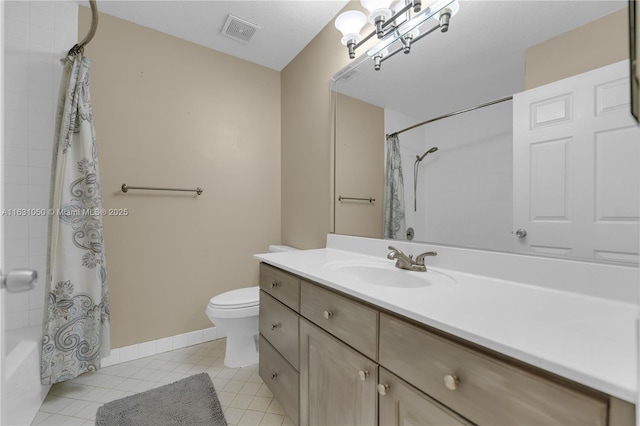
x=245 y=399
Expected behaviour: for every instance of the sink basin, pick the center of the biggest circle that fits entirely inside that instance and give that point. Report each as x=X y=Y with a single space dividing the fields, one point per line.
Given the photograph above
x=386 y=274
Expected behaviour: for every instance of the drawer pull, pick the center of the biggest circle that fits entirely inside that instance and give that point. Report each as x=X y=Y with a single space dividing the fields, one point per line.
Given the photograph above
x=327 y=314
x=451 y=381
x=274 y=376
x=363 y=374
x=383 y=389
x=275 y=325
x=274 y=284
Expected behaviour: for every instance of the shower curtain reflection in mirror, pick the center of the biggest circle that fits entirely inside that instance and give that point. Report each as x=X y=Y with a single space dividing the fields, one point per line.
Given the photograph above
x=394 y=216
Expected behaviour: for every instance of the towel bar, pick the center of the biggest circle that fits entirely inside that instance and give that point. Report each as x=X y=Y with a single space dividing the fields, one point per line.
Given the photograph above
x=370 y=200
x=126 y=188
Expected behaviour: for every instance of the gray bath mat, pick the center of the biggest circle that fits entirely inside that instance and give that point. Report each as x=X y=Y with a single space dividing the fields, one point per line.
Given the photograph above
x=191 y=401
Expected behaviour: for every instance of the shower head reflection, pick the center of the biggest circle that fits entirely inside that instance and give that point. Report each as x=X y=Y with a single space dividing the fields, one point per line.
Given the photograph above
x=432 y=150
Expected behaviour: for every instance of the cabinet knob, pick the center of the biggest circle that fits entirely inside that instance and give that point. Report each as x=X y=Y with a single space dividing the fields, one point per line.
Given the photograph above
x=327 y=314
x=274 y=376
x=363 y=374
x=383 y=389
x=275 y=325
x=274 y=284
x=451 y=381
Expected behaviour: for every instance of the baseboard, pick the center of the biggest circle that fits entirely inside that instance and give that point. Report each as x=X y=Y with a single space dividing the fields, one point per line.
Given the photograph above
x=153 y=347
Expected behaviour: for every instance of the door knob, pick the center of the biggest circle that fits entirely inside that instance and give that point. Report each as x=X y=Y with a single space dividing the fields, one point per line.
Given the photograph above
x=275 y=325
x=274 y=376
x=521 y=233
x=327 y=314
x=274 y=284
x=19 y=280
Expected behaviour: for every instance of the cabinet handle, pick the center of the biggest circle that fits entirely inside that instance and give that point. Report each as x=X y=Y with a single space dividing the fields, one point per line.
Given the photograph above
x=274 y=284
x=451 y=381
x=275 y=325
x=327 y=314
x=274 y=376
x=363 y=374
x=383 y=389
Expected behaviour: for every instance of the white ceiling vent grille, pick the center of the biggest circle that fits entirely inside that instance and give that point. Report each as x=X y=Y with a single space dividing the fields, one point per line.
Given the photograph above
x=239 y=29
x=344 y=76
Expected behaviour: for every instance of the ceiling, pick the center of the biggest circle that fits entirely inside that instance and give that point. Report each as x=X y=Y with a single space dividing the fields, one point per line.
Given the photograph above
x=286 y=26
x=480 y=58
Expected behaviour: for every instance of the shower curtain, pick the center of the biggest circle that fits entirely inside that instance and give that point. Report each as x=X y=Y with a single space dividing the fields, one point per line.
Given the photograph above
x=394 y=219
x=76 y=315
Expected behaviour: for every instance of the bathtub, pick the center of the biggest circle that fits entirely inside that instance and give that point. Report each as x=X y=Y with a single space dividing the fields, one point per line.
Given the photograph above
x=22 y=391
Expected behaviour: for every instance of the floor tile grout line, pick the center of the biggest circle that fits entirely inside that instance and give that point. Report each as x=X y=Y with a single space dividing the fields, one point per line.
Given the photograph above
x=246 y=383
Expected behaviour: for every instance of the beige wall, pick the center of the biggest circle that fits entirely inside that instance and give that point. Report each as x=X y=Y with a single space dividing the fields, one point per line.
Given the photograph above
x=594 y=45
x=306 y=140
x=171 y=113
x=307 y=126
x=359 y=166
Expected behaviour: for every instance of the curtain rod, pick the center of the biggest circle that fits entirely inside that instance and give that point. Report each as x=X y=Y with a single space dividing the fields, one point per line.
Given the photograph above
x=92 y=30
x=451 y=114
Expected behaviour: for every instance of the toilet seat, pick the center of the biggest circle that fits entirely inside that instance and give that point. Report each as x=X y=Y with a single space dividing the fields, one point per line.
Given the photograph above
x=242 y=302
x=239 y=298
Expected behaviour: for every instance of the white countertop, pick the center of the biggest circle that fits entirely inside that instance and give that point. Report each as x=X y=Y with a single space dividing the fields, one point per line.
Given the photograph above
x=586 y=339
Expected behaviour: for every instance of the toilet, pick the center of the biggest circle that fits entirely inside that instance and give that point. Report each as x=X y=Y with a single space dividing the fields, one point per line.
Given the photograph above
x=235 y=313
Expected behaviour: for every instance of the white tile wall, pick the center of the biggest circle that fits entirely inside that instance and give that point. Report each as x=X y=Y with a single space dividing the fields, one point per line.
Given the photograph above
x=36 y=35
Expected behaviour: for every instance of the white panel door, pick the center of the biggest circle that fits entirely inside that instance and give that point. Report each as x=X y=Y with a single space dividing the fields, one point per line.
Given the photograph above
x=577 y=168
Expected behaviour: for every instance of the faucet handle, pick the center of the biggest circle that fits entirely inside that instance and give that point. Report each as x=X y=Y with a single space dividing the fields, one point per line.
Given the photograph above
x=421 y=256
x=393 y=253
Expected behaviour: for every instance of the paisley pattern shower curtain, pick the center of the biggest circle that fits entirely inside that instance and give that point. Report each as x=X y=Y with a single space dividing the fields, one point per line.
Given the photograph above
x=394 y=218
x=76 y=317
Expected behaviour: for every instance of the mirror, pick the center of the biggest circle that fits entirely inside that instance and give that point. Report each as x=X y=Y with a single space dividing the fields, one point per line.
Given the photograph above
x=465 y=189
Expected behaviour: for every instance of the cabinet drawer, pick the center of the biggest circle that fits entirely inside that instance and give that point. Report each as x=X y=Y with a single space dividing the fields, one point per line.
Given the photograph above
x=281 y=378
x=279 y=325
x=281 y=285
x=489 y=391
x=402 y=404
x=351 y=322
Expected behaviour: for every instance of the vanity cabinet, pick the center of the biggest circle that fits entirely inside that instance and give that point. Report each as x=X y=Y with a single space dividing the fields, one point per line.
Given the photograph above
x=474 y=384
x=352 y=322
x=278 y=340
x=331 y=359
x=337 y=383
x=403 y=405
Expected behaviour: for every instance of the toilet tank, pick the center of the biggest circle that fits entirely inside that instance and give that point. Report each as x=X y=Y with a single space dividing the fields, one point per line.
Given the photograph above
x=277 y=249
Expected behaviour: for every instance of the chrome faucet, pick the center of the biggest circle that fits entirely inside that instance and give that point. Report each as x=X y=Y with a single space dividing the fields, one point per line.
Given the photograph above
x=406 y=262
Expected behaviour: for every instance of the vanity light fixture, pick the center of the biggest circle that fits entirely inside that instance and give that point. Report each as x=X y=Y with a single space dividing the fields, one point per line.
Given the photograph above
x=401 y=22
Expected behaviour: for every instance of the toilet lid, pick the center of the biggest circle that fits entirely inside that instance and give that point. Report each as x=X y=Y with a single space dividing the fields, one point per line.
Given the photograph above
x=240 y=298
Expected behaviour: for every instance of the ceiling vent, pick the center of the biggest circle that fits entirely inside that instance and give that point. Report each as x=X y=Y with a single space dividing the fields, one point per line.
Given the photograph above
x=239 y=29
x=347 y=75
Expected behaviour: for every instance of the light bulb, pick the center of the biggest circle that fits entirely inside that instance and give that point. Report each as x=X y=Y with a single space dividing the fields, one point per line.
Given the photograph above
x=400 y=19
x=445 y=15
x=379 y=12
x=350 y=24
x=453 y=7
x=377 y=8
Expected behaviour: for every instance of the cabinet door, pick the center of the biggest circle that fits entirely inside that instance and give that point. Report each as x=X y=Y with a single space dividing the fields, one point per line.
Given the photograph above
x=337 y=384
x=402 y=404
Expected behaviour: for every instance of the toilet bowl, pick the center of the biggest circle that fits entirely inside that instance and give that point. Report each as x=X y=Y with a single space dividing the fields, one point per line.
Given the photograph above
x=235 y=313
